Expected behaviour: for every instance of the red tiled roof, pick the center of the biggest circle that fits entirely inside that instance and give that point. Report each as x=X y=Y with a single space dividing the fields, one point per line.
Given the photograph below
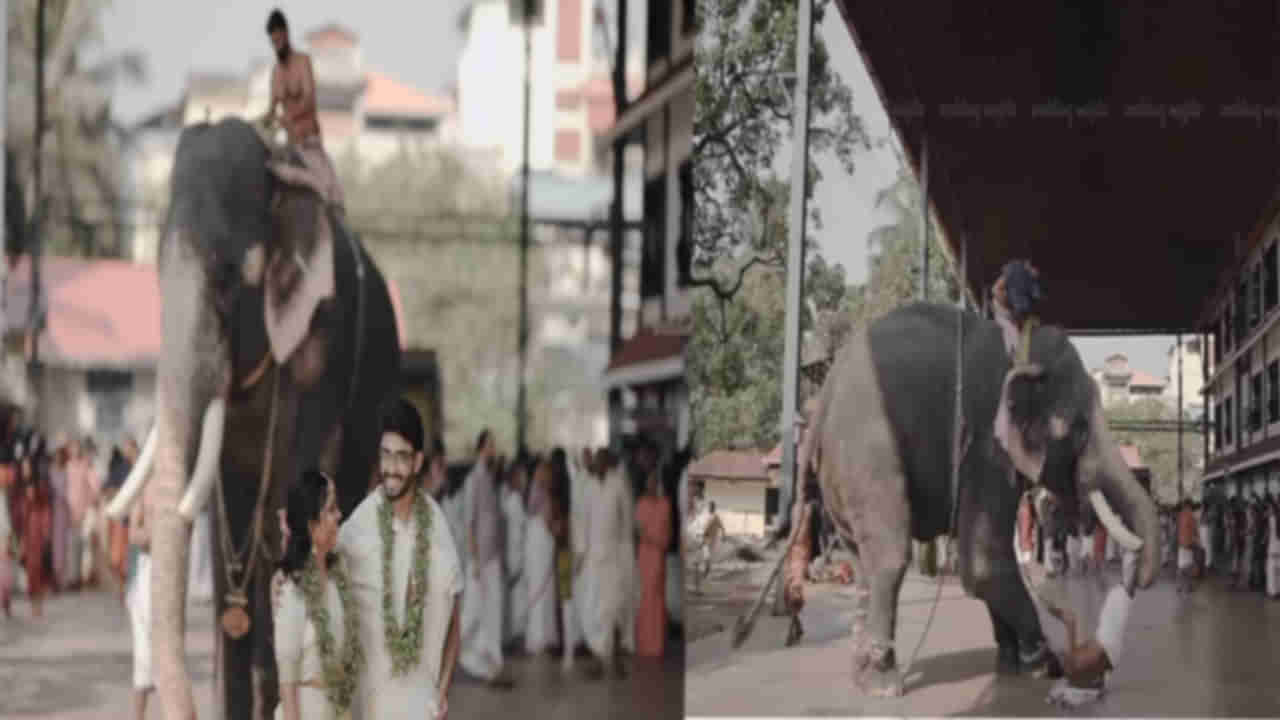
x=102 y=313
x=1142 y=379
x=648 y=346
x=386 y=96
x=1132 y=457
x=729 y=465
x=331 y=35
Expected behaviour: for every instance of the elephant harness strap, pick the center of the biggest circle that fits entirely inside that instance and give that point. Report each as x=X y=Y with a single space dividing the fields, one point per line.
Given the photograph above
x=235 y=620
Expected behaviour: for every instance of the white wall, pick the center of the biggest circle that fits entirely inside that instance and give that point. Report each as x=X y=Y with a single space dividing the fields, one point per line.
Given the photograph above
x=739 y=503
x=491 y=86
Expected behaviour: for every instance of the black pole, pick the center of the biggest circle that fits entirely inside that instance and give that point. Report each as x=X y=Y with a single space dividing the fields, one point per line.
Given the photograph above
x=617 y=215
x=33 y=308
x=524 y=236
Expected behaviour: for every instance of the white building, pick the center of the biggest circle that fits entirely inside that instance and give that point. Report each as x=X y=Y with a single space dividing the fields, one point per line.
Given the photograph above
x=570 y=93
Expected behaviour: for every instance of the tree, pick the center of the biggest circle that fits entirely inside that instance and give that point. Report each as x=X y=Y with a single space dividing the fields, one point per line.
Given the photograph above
x=1159 y=450
x=735 y=355
x=894 y=255
x=743 y=111
x=443 y=235
x=80 y=192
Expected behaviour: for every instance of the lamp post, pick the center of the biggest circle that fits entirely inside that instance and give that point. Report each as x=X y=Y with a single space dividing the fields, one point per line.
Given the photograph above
x=521 y=400
x=795 y=254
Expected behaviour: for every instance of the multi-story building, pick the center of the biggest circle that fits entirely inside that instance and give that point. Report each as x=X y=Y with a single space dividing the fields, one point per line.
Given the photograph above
x=1120 y=383
x=570 y=91
x=645 y=378
x=1242 y=369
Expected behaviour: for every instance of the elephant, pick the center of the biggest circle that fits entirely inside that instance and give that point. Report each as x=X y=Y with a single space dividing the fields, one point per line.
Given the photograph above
x=880 y=442
x=279 y=348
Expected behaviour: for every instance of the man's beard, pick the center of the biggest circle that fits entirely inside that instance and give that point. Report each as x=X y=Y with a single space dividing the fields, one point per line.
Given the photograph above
x=283 y=53
x=405 y=486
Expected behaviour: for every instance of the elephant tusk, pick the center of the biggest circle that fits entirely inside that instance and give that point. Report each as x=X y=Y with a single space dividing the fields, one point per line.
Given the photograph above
x=1112 y=522
x=137 y=478
x=206 y=460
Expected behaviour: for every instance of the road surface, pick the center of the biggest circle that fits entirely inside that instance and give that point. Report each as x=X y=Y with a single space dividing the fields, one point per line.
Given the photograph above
x=1215 y=653
x=75 y=663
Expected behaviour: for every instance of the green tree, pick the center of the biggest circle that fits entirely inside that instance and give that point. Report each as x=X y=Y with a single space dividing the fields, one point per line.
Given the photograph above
x=81 y=184
x=742 y=120
x=443 y=235
x=893 y=251
x=1159 y=450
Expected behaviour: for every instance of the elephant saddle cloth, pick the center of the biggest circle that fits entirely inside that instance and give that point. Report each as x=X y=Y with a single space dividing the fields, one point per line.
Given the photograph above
x=288 y=311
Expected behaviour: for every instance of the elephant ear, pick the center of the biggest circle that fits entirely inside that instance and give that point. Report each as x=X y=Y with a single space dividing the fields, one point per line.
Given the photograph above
x=1022 y=419
x=300 y=272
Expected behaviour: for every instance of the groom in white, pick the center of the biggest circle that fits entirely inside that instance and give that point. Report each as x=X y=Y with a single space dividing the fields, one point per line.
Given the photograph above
x=406 y=580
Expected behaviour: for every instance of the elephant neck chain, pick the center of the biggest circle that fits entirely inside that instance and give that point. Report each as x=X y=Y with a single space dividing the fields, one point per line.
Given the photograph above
x=235 y=620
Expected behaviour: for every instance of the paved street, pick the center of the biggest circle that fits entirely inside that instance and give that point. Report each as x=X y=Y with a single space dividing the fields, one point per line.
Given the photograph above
x=1212 y=654
x=76 y=663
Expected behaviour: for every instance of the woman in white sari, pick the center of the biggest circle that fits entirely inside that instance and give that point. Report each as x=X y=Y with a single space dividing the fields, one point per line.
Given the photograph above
x=317 y=633
x=540 y=564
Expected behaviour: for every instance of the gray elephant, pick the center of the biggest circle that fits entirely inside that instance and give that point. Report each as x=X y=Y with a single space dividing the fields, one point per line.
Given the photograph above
x=881 y=442
x=280 y=345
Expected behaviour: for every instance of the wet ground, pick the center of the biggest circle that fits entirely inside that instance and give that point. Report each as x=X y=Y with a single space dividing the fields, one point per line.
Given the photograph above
x=1213 y=653
x=76 y=663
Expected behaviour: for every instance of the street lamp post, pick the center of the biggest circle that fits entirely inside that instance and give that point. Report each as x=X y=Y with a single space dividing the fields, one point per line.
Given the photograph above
x=795 y=253
x=521 y=399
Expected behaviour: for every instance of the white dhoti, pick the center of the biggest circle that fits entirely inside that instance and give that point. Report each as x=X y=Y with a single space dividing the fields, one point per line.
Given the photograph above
x=1185 y=558
x=1206 y=538
x=482 y=604
x=540 y=586
x=609 y=603
x=516 y=611
x=88 y=530
x=138 y=603
x=200 y=577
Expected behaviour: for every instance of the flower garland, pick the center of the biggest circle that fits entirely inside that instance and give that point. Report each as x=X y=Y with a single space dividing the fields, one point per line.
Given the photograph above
x=340 y=673
x=404 y=644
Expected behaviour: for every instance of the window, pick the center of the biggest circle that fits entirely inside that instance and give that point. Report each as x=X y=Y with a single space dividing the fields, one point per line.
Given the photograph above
x=1255 y=403
x=684 y=246
x=1255 y=297
x=1273 y=391
x=1242 y=308
x=569 y=31
x=653 y=263
x=690 y=17
x=659 y=31
x=1217 y=426
x=1270 y=286
x=1226 y=421
x=1217 y=343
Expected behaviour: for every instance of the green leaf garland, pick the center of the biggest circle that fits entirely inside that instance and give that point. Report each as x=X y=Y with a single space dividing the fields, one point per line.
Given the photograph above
x=340 y=673
x=404 y=644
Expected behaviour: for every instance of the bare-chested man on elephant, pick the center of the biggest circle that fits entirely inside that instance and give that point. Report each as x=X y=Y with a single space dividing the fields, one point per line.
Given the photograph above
x=293 y=88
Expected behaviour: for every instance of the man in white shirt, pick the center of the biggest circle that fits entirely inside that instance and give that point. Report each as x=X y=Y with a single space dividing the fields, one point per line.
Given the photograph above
x=410 y=678
x=483 y=608
x=610 y=563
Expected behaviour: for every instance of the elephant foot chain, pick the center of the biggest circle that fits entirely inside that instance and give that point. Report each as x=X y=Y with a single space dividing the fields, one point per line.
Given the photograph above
x=876 y=671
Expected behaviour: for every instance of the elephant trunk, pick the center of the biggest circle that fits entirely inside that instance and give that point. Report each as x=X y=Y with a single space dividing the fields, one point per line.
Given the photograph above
x=1121 y=504
x=193 y=375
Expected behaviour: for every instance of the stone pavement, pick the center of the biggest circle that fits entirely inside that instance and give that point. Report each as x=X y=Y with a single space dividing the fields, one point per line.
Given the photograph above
x=76 y=663
x=1215 y=653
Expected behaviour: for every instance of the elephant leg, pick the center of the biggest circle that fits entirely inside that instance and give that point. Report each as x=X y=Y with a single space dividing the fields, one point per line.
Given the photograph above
x=1007 y=644
x=1009 y=602
x=266 y=690
x=879 y=517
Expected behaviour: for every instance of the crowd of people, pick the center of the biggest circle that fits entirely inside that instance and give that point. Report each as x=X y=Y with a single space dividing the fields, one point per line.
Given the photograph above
x=442 y=567
x=1241 y=538
x=54 y=535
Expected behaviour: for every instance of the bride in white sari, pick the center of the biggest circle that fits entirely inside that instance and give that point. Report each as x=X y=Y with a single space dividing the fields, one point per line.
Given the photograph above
x=317 y=641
